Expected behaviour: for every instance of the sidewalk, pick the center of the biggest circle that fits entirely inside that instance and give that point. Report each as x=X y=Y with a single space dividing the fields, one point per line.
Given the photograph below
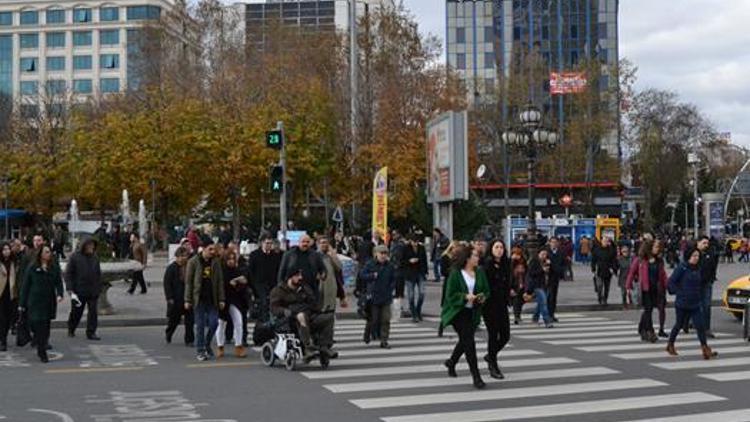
x=150 y=309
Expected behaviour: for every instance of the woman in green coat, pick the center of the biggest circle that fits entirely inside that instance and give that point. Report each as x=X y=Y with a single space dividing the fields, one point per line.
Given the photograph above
x=41 y=291
x=466 y=290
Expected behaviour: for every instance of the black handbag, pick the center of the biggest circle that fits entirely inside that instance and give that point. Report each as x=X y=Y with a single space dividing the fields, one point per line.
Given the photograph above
x=23 y=334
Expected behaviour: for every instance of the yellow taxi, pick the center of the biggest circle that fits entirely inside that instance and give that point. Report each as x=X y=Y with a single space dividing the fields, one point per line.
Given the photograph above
x=736 y=295
x=735 y=243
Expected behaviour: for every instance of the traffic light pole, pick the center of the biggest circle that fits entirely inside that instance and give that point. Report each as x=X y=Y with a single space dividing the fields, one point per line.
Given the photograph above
x=282 y=197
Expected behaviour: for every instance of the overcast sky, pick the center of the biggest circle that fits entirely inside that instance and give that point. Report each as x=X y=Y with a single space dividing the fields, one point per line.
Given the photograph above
x=698 y=48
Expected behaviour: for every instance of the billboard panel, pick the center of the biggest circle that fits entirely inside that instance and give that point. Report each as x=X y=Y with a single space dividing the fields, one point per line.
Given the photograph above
x=447 y=158
x=567 y=82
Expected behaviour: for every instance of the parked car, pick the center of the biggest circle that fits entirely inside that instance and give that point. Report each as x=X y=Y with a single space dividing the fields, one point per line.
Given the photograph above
x=736 y=296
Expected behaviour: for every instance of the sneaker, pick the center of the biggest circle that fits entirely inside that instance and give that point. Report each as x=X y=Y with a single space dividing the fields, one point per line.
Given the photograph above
x=662 y=333
x=210 y=353
x=202 y=357
x=384 y=345
x=549 y=325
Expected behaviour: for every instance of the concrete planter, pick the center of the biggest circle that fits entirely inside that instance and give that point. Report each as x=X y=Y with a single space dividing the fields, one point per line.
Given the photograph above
x=111 y=272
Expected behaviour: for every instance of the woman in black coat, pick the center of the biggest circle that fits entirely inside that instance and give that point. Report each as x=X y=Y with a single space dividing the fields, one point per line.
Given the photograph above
x=495 y=311
x=8 y=293
x=41 y=291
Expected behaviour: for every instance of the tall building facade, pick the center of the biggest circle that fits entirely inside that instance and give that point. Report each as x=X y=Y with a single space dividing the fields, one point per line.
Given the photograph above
x=314 y=15
x=74 y=47
x=484 y=36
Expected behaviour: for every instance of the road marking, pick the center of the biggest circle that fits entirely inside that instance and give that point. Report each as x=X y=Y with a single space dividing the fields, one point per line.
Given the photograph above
x=446 y=339
x=624 y=338
x=419 y=369
x=742 y=415
x=391 y=336
x=63 y=416
x=446 y=381
x=620 y=326
x=728 y=376
x=585 y=324
x=504 y=394
x=639 y=346
x=393 y=330
x=91 y=370
x=699 y=364
x=369 y=360
x=219 y=365
x=683 y=352
x=562 y=409
x=550 y=334
x=397 y=350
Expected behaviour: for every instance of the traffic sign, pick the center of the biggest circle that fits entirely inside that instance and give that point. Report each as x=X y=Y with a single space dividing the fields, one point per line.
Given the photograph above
x=277 y=179
x=274 y=139
x=338 y=215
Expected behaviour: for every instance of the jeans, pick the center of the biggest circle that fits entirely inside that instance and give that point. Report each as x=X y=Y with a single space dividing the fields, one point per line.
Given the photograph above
x=436 y=269
x=540 y=296
x=236 y=316
x=708 y=290
x=206 y=318
x=683 y=316
x=76 y=312
x=463 y=323
x=415 y=291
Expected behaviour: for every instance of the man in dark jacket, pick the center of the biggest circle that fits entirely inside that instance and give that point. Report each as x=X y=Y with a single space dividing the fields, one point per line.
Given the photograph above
x=708 y=265
x=440 y=243
x=397 y=249
x=557 y=260
x=204 y=293
x=604 y=266
x=304 y=258
x=380 y=280
x=296 y=301
x=414 y=272
x=174 y=292
x=83 y=279
x=262 y=271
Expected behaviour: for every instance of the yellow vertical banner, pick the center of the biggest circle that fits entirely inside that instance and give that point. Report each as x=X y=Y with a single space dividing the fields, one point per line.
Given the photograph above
x=380 y=203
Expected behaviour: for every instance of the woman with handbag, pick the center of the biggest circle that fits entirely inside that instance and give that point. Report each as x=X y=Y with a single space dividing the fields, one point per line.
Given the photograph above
x=686 y=284
x=8 y=293
x=41 y=291
x=466 y=291
x=650 y=273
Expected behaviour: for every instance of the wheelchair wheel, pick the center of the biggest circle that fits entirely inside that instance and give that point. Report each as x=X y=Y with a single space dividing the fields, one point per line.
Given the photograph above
x=267 y=355
x=290 y=362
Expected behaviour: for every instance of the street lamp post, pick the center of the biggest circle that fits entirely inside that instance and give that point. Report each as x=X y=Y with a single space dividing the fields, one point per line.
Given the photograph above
x=6 y=181
x=693 y=160
x=530 y=138
x=152 y=236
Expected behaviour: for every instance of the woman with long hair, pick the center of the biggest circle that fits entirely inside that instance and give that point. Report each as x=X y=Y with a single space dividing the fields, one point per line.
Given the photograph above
x=495 y=310
x=41 y=291
x=446 y=262
x=466 y=291
x=8 y=293
x=518 y=267
x=650 y=273
x=235 y=286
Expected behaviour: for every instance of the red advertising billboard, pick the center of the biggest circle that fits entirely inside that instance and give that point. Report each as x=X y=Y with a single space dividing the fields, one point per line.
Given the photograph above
x=567 y=82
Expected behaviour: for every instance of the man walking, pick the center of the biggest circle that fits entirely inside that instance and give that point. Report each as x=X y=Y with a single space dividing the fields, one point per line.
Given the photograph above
x=174 y=291
x=204 y=293
x=262 y=269
x=83 y=278
x=557 y=260
x=303 y=257
x=439 y=244
x=380 y=280
x=708 y=265
x=140 y=254
x=604 y=266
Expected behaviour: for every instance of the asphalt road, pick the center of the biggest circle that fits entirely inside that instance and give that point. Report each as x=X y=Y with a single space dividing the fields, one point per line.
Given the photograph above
x=590 y=367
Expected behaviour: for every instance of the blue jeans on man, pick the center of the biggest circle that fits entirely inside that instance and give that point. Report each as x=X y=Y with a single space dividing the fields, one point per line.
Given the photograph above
x=415 y=292
x=206 y=318
x=540 y=296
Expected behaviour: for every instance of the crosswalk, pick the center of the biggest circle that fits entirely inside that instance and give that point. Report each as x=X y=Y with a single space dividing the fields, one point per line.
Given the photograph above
x=407 y=383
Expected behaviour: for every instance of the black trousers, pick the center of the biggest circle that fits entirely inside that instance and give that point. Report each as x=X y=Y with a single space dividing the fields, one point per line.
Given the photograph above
x=605 y=281
x=552 y=297
x=517 y=305
x=175 y=312
x=261 y=292
x=649 y=301
x=6 y=315
x=40 y=330
x=138 y=280
x=463 y=323
x=92 y=317
x=378 y=321
x=497 y=320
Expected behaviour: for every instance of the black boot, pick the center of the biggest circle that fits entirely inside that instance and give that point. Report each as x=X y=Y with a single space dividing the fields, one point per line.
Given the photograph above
x=478 y=383
x=451 y=368
x=440 y=330
x=494 y=369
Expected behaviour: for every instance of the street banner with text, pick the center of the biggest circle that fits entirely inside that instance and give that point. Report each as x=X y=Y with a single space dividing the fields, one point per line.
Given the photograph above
x=567 y=83
x=380 y=203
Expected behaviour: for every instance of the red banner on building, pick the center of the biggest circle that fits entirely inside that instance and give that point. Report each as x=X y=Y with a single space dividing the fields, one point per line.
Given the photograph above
x=567 y=82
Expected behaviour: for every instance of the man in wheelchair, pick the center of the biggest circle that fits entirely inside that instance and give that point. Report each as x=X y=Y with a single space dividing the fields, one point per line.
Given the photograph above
x=295 y=302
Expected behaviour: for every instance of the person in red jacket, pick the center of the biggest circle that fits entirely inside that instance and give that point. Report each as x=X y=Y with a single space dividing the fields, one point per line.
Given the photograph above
x=652 y=277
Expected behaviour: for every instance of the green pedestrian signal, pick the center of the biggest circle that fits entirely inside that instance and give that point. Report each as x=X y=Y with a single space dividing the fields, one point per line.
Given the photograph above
x=274 y=139
x=277 y=179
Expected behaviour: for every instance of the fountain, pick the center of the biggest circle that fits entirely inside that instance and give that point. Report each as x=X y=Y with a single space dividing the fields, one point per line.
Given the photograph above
x=142 y=221
x=125 y=209
x=73 y=226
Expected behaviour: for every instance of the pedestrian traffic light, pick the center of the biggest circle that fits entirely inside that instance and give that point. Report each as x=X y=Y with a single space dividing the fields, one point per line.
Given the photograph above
x=277 y=179
x=274 y=139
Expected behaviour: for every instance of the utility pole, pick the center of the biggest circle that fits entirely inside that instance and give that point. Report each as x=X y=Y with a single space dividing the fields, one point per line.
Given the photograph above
x=6 y=180
x=353 y=85
x=282 y=199
x=153 y=215
x=693 y=160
